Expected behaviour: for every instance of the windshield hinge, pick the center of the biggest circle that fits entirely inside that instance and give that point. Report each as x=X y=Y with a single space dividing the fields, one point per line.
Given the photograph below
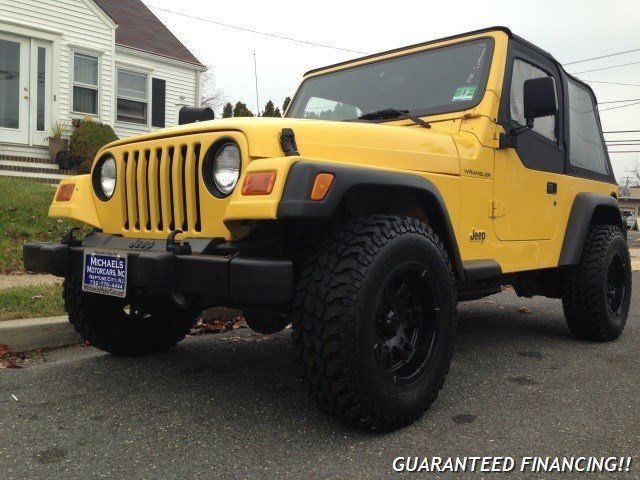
x=288 y=142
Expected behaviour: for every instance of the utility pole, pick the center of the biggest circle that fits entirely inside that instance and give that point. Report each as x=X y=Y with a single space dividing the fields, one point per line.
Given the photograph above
x=255 y=73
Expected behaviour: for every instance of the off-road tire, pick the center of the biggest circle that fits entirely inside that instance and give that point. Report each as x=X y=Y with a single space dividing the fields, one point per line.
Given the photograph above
x=102 y=322
x=333 y=312
x=584 y=300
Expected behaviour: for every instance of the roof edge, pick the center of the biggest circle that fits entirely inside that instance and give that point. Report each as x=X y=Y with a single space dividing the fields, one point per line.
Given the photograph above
x=197 y=66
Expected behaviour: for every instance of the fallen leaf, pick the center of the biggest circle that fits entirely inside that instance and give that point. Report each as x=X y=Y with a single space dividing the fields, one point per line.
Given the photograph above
x=10 y=363
x=525 y=310
x=35 y=297
x=4 y=349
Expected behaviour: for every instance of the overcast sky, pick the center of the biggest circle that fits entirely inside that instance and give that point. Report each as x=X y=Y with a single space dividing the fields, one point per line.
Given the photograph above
x=570 y=30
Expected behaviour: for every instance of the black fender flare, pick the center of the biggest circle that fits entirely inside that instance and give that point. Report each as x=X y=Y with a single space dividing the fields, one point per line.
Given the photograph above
x=295 y=202
x=580 y=218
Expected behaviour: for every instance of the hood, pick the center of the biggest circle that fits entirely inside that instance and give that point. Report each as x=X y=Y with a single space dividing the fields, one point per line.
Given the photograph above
x=398 y=145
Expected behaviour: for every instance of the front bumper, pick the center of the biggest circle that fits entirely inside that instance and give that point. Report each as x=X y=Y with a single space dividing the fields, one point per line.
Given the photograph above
x=224 y=278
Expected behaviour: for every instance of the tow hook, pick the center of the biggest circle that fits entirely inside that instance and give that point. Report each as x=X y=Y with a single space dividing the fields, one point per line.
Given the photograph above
x=175 y=247
x=67 y=238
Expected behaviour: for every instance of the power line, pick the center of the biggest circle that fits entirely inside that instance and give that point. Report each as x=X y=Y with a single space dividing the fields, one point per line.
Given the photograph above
x=613 y=83
x=619 y=106
x=622 y=131
x=266 y=34
x=605 y=68
x=602 y=56
x=619 y=101
x=624 y=151
x=623 y=145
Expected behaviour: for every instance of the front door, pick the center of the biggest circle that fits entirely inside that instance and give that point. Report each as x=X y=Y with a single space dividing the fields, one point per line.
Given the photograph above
x=25 y=90
x=528 y=179
x=14 y=89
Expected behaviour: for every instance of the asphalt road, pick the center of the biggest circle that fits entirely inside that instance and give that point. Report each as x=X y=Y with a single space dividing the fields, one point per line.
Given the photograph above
x=230 y=406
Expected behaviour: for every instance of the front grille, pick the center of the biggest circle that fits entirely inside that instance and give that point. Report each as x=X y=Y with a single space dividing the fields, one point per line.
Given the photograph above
x=160 y=189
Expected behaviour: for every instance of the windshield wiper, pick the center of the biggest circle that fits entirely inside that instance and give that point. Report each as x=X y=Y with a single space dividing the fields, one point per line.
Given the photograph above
x=391 y=113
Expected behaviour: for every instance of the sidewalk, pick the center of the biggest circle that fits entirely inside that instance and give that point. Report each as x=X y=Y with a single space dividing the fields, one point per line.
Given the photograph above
x=24 y=280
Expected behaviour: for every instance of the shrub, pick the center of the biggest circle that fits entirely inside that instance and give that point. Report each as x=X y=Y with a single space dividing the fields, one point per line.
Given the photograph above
x=87 y=138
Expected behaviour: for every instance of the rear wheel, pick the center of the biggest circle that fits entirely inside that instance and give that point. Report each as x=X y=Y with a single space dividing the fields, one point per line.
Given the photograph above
x=375 y=314
x=126 y=327
x=597 y=291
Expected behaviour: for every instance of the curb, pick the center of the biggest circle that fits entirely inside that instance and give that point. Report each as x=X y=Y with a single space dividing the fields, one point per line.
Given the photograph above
x=35 y=333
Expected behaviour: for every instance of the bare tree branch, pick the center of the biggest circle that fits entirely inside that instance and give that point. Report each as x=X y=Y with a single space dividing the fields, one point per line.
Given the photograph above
x=211 y=96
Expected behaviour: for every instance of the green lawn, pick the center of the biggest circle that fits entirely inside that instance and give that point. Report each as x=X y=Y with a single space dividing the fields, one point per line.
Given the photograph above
x=30 y=302
x=23 y=218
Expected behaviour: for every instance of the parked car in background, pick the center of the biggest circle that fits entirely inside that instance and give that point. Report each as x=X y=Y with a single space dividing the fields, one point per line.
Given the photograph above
x=631 y=217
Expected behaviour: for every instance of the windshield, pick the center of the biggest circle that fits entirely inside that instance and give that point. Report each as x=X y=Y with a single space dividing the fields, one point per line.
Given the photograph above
x=441 y=80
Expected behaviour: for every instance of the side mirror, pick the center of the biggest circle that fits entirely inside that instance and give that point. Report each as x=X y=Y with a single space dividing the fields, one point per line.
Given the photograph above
x=540 y=99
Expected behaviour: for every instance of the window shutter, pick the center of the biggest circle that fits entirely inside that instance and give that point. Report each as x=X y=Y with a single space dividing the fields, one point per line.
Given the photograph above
x=158 y=101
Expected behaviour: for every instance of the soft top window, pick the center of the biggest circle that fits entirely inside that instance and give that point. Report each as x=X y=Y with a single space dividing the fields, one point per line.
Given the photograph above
x=586 y=148
x=440 y=80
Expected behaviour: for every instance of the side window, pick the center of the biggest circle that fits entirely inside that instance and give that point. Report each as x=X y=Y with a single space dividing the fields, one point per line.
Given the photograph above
x=545 y=126
x=586 y=149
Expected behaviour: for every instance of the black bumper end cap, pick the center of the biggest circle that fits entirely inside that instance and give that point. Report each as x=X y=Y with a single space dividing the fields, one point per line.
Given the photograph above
x=50 y=258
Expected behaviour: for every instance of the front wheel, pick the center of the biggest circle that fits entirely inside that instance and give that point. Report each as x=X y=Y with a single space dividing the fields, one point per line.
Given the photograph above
x=375 y=314
x=137 y=325
x=597 y=291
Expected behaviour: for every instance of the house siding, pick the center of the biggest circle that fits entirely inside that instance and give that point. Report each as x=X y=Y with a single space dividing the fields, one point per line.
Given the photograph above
x=79 y=27
x=181 y=87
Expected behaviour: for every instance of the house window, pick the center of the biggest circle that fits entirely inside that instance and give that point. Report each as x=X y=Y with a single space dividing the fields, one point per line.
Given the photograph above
x=85 y=83
x=133 y=97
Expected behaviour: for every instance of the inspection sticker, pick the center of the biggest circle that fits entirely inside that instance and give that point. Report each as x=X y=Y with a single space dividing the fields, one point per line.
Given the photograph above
x=464 y=93
x=105 y=272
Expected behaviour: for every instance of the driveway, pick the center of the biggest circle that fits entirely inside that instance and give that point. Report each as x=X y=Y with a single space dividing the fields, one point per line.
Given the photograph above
x=230 y=405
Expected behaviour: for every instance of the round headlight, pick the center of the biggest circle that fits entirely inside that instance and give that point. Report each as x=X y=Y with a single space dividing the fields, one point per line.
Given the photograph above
x=226 y=168
x=106 y=184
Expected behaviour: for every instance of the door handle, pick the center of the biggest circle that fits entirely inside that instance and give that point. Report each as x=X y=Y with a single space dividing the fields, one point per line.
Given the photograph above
x=552 y=188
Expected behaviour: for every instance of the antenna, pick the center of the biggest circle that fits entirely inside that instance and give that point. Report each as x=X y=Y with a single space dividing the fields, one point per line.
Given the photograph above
x=255 y=73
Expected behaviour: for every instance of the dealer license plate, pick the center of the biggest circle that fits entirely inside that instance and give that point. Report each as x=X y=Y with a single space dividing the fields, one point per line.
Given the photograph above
x=105 y=272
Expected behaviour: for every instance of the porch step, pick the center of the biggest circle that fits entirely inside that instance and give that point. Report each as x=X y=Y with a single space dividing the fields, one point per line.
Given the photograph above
x=41 y=159
x=26 y=168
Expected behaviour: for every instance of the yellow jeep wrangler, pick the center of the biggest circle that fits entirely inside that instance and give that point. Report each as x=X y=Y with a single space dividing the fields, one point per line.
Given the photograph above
x=395 y=186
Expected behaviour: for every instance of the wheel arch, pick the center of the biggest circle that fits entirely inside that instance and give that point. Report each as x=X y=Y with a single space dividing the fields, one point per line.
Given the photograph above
x=383 y=191
x=587 y=209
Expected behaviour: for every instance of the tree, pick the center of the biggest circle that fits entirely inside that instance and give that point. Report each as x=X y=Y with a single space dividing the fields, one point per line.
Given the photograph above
x=241 y=110
x=227 y=111
x=211 y=96
x=276 y=112
x=269 y=110
x=634 y=172
x=286 y=103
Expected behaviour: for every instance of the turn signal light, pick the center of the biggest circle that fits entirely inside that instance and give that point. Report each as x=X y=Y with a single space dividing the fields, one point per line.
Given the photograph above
x=64 y=192
x=321 y=185
x=259 y=183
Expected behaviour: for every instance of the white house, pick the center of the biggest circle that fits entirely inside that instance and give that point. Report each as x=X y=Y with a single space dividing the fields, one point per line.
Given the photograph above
x=112 y=60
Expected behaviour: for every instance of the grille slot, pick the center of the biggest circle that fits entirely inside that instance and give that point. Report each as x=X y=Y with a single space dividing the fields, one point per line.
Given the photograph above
x=161 y=191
